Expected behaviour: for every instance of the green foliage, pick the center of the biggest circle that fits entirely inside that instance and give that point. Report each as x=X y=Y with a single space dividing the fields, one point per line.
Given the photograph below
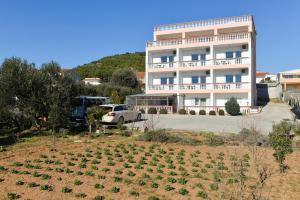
x=281 y=141
x=66 y=190
x=169 y=188
x=232 y=107
x=115 y=98
x=115 y=189
x=46 y=187
x=202 y=194
x=212 y=139
x=80 y=195
x=221 y=112
x=202 y=112
x=12 y=196
x=182 y=111
x=134 y=193
x=99 y=197
x=105 y=67
x=33 y=184
x=192 y=112
x=152 y=111
x=163 y=111
x=124 y=77
x=212 y=112
x=153 y=198
x=183 y=191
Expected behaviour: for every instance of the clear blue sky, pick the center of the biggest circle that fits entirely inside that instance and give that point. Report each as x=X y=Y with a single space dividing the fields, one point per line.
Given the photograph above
x=75 y=32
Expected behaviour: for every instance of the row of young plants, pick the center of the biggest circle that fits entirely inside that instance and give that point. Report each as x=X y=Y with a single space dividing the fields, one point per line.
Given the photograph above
x=159 y=167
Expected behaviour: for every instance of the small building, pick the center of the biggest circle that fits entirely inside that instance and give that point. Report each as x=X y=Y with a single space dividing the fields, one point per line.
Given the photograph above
x=290 y=80
x=260 y=76
x=92 y=81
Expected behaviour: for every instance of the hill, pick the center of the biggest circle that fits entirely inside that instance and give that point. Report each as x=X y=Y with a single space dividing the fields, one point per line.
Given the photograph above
x=104 y=67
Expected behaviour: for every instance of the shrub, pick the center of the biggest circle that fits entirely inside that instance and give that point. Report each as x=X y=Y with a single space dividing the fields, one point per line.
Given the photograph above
x=212 y=112
x=134 y=193
x=142 y=111
x=169 y=188
x=66 y=190
x=98 y=197
x=99 y=186
x=154 y=185
x=12 y=196
x=163 y=111
x=33 y=184
x=183 y=191
x=281 y=141
x=232 y=107
x=45 y=177
x=46 y=187
x=213 y=186
x=221 y=112
x=80 y=195
x=115 y=189
x=182 y=111
x=152 y=111
x=212 y=139
x=153 y=198
x=202 y=194
x=182 y=181
x=19 y=182
x=77 y=182
x=202 y=112
x=192 y=112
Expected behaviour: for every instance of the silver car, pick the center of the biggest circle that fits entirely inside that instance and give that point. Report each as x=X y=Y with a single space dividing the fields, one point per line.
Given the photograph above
x=119 y=113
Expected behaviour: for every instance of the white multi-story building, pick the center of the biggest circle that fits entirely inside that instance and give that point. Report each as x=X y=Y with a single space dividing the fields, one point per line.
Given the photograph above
x=203 y=63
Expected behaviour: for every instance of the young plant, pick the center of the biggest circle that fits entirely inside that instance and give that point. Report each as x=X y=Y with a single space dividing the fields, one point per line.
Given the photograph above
x=77 y=182
x=183 y=191
x=66 y=190
x=115 y=189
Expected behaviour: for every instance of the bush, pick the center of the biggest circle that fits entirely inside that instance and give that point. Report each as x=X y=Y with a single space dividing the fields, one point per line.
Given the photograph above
x=163 y=111
x=182 y=111
x=192 y=112
x=142 y=111
x=202 y=112
x=163 y=136
x=66 y=190
x=281 y=141
x=232 y=107
x=152 y=111
x=212 y=139
x=212 y=112
x=221 y=112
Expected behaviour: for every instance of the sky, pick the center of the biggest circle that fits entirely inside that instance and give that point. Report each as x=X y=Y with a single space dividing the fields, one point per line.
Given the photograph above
x=75 y=32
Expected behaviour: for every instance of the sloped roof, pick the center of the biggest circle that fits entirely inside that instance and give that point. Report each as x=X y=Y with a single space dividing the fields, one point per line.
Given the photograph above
x=140 y=75
x=261 y=73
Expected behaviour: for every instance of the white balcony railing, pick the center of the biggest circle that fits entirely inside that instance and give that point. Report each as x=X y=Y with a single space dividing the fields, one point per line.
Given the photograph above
x=226 y=20
x=202 y=86
x=199 y=40
x=200 y=63
x=163 y=87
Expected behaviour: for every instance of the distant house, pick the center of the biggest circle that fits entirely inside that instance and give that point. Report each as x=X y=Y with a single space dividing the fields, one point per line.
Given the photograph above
x=141 y=79
x=92 y=81
x=260 y=76
x=71 y=73
x=290 y=80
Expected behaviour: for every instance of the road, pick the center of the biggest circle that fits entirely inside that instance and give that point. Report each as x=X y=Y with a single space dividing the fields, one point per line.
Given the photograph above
x=271 y=113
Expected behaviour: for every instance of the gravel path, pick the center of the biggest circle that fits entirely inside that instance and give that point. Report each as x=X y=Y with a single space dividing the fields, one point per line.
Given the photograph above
x=222 y=124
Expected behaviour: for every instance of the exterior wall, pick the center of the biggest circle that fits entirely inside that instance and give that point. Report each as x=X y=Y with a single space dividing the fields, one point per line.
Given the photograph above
x=233 y=34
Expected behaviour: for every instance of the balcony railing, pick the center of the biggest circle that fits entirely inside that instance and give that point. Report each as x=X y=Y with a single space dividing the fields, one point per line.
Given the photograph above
x=199 y=40
x=200 y=63
x=226 y=20
x=202 y=86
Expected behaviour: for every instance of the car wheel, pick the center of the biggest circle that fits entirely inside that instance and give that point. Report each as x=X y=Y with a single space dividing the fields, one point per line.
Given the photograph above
x=139 y=117
x=121 y=121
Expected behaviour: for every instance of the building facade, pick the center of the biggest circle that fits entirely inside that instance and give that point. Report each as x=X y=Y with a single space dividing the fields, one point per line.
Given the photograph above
x=203 y=63
x=290 y=80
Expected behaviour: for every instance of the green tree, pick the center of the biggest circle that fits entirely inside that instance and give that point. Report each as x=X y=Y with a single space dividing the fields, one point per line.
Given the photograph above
x=115 y=98
x=94 y=116
x=281 y=142
x=124 y=77
x=232 y=107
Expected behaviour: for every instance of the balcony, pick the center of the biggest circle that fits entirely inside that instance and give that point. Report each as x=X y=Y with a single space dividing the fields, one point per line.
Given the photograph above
x=201 y=23
x=200 y=40
x=201 y=86
x=200 y=63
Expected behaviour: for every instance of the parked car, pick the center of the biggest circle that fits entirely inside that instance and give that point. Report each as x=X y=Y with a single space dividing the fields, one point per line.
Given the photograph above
x=119 y=113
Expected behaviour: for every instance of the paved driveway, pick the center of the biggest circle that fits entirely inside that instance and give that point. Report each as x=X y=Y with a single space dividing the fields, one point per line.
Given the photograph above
x=226 y=124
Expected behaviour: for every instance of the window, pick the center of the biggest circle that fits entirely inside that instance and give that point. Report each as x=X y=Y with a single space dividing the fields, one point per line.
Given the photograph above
x=238 y=78
x=171 y=80
x=194 y=57
x=163 y=81
x=195 y=79
x=229 y=78
x=171 y=58
x=203 y=102
x=202 y=79
x=164 y=59
x=229 y=54
x=238 y=54
x=118 y=108
x=197 y=101
x=202 y=56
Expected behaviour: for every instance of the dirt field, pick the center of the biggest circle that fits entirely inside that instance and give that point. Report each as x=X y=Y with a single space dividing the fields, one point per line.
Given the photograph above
x=118 y=167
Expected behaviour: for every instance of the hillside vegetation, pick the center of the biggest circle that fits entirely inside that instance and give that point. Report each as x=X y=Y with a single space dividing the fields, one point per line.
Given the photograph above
x=104 y=67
